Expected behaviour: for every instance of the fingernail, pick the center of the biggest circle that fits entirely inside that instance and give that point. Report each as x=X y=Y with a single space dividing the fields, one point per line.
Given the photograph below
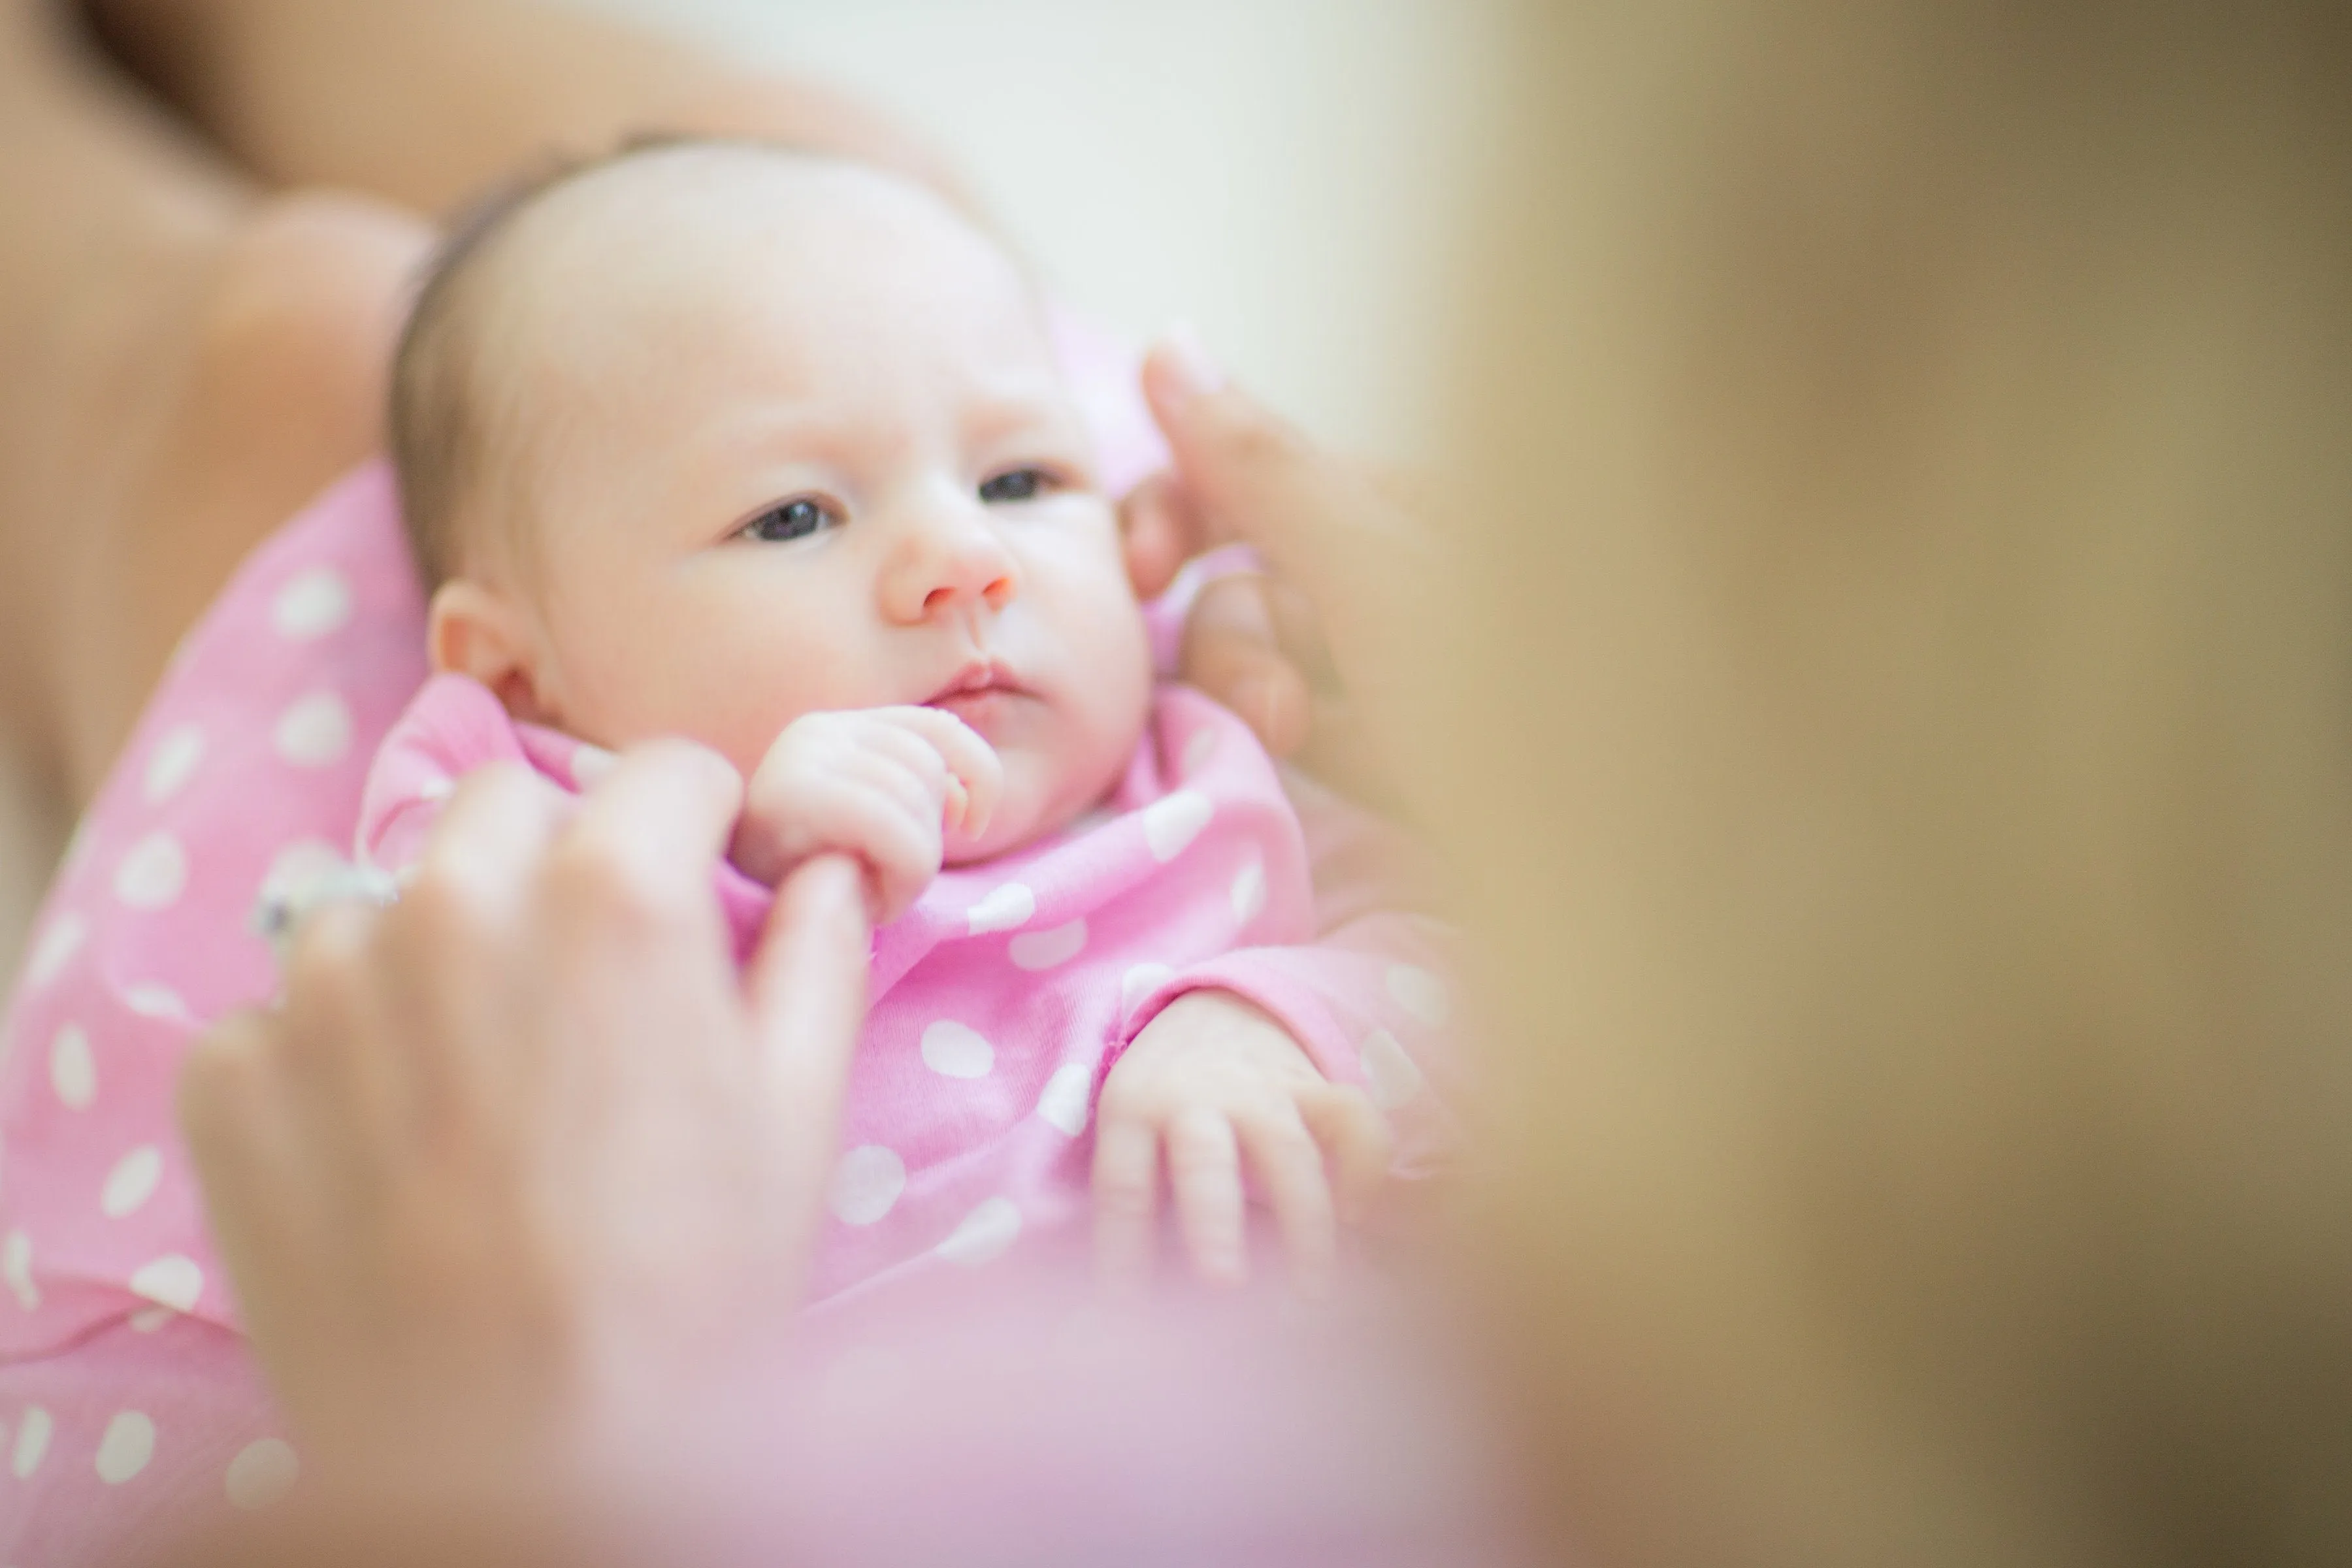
x=1197 y=375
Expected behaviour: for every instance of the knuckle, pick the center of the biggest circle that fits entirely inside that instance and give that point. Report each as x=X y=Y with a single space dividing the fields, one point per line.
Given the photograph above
x=1123 y=1193
x=1197 y=1137
x=326 y=970
x=591 y=883
x=444 y=903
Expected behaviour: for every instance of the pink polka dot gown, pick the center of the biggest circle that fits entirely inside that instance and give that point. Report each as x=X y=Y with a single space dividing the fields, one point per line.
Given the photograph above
x=129 y=1407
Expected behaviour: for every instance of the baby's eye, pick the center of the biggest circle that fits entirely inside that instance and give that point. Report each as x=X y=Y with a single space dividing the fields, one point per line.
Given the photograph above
x=788 y=521
x=1019 y=485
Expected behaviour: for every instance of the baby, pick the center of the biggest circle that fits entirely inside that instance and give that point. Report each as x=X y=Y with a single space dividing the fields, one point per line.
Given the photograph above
x=773 y=452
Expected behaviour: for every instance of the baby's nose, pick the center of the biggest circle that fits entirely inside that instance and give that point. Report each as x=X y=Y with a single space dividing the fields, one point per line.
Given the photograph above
x=951 y=560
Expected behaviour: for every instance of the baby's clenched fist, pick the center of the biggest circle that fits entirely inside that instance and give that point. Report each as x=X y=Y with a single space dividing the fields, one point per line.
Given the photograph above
x=892 y=786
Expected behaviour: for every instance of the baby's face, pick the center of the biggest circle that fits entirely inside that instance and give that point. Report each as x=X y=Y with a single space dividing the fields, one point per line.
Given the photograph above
x=801 y=444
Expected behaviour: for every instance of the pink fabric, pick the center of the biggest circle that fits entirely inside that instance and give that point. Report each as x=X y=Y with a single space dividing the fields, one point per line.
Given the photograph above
x=998 y=1002
x=127 y=1403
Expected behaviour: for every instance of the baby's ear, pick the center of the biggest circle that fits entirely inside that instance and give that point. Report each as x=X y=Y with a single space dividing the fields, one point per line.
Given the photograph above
x=475 y=629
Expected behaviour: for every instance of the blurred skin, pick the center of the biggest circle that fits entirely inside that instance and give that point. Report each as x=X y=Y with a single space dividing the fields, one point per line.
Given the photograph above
x=1915 y=605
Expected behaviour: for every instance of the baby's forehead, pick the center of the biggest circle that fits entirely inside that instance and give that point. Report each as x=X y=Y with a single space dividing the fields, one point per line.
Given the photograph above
x=708 y=227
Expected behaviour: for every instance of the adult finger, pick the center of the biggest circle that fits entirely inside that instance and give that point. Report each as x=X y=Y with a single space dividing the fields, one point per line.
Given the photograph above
x=1234 y=652
x=1127 y=1200
x=357 y=1089
x=1322 y=524
x=807 y=990
x=1289 y=1169
x=646 y=837
x=457 y=914
x=268 y=1216
x=1246 y=475
x=231 y=1106
x=1204 y=1174
x=1158 y=533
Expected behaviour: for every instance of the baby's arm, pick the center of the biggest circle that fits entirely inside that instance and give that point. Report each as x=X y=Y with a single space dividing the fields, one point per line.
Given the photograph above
x=1219 y=1081
x=1303 y=1062
x=886 y=784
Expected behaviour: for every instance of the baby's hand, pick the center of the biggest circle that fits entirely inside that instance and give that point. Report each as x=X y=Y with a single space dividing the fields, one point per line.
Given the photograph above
x=886 y=784
x=1216 y=1079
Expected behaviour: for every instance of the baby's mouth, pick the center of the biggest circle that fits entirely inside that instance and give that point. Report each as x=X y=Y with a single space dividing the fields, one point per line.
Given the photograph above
x=979 y=694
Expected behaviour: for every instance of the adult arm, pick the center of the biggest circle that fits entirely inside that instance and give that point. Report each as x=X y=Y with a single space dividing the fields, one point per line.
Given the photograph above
x=428 y=101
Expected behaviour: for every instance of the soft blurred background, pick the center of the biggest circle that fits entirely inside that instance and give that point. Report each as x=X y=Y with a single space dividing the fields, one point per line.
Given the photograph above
x=1292 y=176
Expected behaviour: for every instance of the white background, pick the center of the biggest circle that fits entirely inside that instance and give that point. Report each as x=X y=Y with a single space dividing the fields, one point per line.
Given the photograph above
x=1290 y=176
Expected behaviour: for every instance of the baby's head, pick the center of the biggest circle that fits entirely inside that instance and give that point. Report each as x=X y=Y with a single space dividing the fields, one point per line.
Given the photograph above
x=708 y=436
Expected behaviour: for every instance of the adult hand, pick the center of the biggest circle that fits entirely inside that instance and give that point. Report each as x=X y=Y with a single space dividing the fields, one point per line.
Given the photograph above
x=1348 y=562
x=520 y=1153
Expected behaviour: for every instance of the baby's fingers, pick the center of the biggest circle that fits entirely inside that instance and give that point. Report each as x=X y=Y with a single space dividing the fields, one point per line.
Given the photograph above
x=1127 y=1200
x=972 y=762
x=1204 y=1169
x=1358 y=1141
x=1289 y=1169
x=1356 y=1136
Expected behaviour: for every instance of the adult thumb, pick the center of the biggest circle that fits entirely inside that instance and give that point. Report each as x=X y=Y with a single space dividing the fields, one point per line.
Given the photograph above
x=1246 y=475
x=807 y=994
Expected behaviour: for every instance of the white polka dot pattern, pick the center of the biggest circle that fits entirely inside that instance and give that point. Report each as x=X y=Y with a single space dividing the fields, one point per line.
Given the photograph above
x=132 y=1182
x=1062 y=1106
x=866 y=1184
x=1198 y=748
x=316 y=731
x=172 y=1281
x=313 y=604
x=1007 y=907
x=16 y=1270
x=1249 y=892
x=127 y=1447
x=1139 y=982
x=956 y=1050
x=173 y=761
x=152 y=874
x=984 y=1234
x=1171 y=824
x=1041 y=950
x=54 y=950
x=32 y=1442
x=153 y=999
x=73 y=1071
